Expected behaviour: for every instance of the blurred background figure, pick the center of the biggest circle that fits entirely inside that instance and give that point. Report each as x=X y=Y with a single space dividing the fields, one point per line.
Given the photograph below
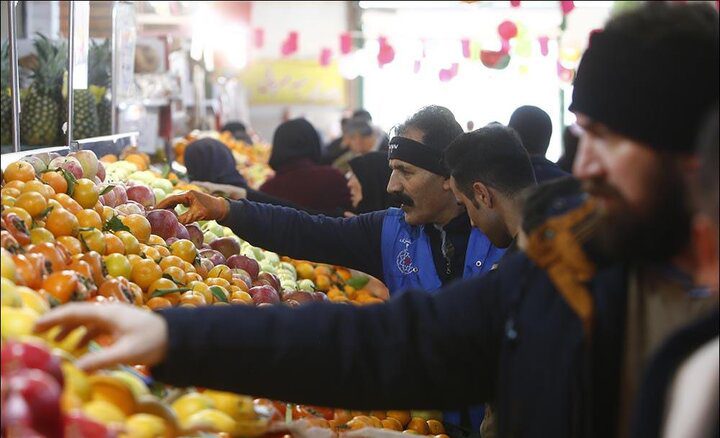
x=209 y=160
x=238 y=131
x=570 y=142
x=470 y=126
x=368 y=179
x=298 y=176
x=361 y=137
x=337 y=147
x=535 y=129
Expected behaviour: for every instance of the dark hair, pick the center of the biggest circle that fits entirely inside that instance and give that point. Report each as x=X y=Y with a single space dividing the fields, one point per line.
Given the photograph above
x=238 y=131
x=534 y=127
x=437 y=124
x=293 y=140
x=706 y=186
x=357 y=126
x=209 y=160
x=492 y=155
x=362 y=114
x=570 y=142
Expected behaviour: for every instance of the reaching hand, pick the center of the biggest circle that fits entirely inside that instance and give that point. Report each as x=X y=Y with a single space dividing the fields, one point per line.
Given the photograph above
x=201 y=206
x=140 y=337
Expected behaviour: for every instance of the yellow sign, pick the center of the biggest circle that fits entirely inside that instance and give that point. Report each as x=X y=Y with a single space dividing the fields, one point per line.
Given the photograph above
x=289 y=81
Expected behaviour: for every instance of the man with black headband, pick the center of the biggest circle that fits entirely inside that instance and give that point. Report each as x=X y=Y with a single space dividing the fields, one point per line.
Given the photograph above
x=547 y=335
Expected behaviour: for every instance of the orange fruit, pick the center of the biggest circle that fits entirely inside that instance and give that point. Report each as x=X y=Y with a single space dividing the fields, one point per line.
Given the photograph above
x=356 y=423
x=32 y=202
x=62 y=222
x=184 y=249
x=150 y=253
x=107 y=213
x=162 y=250
x=39 y=187
x=55 y=180
x=175 y=273
x=392 y=424
x=145 y=272
x=322 y=282
x=130 y=243
x=19 y=171
x=402 y=416
x=89 y=219
x=113 y=244
x=92 y=240
x=86 y=193
x=419 y=425
x=215 y=281
x=435 y=427
x=137 y=160
x=24 y=215
x=375 y=422
x=381 y=415
x=220 y=271
x=62 y=285
x=155 y=240
x=139 y=226
x=18 y=185
x=9 y=191
x=188 y=267
x=192 y=276
x=171 y=261
x=109 y=158
x=195 y=298
x=71 y=244
x=158 y=303
x=67 y=202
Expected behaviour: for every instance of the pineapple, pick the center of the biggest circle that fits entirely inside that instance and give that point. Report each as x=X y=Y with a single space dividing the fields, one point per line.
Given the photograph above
x=99 y=60
x=40 y=113
x=5 y=99
x=85 y=117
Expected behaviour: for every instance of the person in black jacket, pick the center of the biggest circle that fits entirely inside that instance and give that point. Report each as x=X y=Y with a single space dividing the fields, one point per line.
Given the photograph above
x=534 y=127
x=545 y=336
x=368 y=180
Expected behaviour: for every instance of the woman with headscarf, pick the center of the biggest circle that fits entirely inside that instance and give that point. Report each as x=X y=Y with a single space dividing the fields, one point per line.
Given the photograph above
x=211 y=164
x=298 y=178
x=369 y=176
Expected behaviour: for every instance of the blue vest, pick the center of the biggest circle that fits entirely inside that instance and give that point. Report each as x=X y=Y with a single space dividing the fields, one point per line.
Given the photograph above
x=408 y=263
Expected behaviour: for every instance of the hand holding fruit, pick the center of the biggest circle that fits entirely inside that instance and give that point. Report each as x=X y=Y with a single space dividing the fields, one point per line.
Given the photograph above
x=201 y=206
x=140 y=337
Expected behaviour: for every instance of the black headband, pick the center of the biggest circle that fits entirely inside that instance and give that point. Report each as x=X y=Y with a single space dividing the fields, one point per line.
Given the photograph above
x=417 y=154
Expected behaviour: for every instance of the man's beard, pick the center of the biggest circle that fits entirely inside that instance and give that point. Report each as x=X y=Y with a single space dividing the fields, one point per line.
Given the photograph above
x=654 y=235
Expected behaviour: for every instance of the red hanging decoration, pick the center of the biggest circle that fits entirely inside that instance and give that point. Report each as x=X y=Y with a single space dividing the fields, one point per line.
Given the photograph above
x=507 y=30
x=543 y=40
x=325 y=57
x=290 y=45
x=466 y=48
x=495 y=60
x=515 y=3
x=345 y=43
x=386 y=54
x=565 y=74
x=567 y=6
x=447 y=74
x=259 y=38
x=505 y=46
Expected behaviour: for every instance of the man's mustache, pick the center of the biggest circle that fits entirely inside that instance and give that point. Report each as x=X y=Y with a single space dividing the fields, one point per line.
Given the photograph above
x=600 y=188
x=403 y=199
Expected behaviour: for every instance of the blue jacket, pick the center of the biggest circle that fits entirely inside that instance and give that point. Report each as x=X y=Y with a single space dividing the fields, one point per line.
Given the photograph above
x=507 y=337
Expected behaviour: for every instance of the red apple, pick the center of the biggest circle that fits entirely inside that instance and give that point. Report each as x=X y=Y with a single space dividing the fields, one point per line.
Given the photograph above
x=69 y=164
x=16 y=356
x=269 y=279
x=163 y=222
x=264 y=294
x=291 y=303
x=298 y=296
x=319 y=296
x=196 y=234
x=77 y=425
x=88 y=161
x=242 y=275
x=141 y=194
x=182 y=232
x=120 y=193
x=42 y=394
x=226 y=245
x=37 y=163
x=239 y=261
x=101 y=171
x=215 y=257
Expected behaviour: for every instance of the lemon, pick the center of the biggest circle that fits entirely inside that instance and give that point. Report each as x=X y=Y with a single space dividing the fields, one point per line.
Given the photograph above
x=104 y=412
x=33 y=300
x=211 y=419
x=76 y=381
x=145 y=426
x=7 y=265
x=236 y=406
x=16 y=322
x=9 y=293
x=191 y=403
x=136 y=385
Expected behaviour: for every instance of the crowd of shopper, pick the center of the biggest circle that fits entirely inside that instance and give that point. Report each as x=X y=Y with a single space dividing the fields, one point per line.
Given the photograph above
x=581 y=305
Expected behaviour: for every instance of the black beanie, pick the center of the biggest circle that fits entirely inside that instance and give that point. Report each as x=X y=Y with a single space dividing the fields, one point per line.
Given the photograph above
x=652 y=74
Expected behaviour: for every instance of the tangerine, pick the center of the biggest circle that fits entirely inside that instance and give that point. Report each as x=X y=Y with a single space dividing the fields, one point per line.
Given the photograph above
x=55 y=180
x=61 y=222
x=145 y=272
x=139 y=226
x=89 y=219
x=19 y=171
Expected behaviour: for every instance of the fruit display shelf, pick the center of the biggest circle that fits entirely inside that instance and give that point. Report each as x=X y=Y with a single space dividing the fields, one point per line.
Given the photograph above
x=76 y=228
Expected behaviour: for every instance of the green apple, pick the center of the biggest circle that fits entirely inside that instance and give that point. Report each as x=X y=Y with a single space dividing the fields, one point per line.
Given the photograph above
x=180 y=209
x=259 y=253
x=267 y=267
x=306 y=285
x=162 y=184
x=288 y=285
x=208 y=237
x=159 y=195
x=272 y=258
x=289 y=267
x=285 y=275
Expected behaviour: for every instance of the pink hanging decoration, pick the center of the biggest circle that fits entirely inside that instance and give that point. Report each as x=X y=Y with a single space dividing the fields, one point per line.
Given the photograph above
x=259 y=38
x=507 y=30
x=567 y=6
x=325 y=57
x=565 y=74
x=466 y=48
x=505 y=46
x=515 y=3
x=345 y=43
x=290 y=45
x=543 y=40
x=386 y=53
x=447 y=74
x=416 y=67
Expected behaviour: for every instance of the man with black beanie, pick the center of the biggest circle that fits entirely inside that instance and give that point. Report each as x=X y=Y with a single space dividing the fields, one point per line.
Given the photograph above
x=557 y=335
x=534 y=127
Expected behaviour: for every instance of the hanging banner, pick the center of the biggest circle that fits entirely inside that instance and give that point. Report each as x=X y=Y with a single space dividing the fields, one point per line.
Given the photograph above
x=294 y=81
x=81 y=41
x=125 y=38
